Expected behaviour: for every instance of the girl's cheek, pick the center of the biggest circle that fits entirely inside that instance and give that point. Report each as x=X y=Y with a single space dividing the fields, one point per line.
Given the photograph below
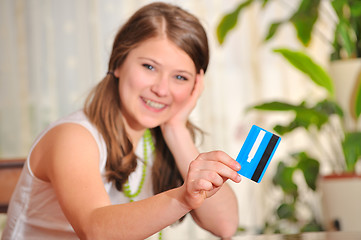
x=184 y=96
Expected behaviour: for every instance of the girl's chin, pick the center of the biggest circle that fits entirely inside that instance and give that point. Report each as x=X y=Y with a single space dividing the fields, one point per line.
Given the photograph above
x=150 y=124
x=154 y=125
x=153 y=121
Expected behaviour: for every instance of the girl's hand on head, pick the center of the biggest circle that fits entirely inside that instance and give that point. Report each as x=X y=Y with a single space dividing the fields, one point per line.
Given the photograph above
x=206 y=175
x=182 y=115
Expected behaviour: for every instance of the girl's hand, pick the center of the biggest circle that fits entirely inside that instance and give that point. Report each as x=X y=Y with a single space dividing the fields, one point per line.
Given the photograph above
x=182 y=115
x=206 y=175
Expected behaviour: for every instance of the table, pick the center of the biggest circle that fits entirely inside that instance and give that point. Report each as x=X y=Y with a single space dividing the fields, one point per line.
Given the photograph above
x=305 y=236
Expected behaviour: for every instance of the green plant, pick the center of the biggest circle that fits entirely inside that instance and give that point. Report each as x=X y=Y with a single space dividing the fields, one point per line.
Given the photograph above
x=315 y=118
x=346 y=40
x=324 y=117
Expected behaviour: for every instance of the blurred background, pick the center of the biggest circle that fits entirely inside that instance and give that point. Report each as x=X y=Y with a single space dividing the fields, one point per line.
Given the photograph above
x=54 y=52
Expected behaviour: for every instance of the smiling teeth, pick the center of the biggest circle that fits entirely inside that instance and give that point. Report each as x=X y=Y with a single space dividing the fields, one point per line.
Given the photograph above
x=154 y=104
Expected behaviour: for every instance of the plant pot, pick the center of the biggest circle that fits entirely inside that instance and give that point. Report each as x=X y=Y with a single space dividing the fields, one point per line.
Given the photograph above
x=341 y=199
x=346 y=75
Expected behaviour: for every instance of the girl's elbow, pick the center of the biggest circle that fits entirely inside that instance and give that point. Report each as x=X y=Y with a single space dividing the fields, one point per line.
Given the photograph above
x=91 y=230
x=226 y=229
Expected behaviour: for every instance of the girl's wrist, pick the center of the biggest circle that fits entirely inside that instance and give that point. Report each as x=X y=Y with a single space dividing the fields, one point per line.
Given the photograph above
x=174 y=131
x=180 y=195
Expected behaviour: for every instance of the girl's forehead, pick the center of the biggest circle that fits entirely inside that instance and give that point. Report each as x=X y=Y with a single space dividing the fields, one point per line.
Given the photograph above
x=163 y=51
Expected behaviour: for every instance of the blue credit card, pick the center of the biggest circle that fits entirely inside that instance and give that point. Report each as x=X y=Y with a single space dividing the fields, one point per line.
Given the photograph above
x=257 y=152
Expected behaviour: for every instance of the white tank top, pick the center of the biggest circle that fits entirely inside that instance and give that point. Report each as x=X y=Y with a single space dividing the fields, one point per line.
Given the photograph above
x=34 y=211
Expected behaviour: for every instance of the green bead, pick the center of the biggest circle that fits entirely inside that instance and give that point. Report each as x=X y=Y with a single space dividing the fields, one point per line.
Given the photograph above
x=147 y=141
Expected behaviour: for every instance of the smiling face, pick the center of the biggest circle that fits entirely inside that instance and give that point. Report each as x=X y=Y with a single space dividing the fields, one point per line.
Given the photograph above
x=155 y=81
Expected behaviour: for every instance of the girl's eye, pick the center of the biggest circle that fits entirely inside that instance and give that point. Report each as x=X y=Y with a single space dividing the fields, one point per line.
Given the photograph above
x=150 y=67
x=179 y=77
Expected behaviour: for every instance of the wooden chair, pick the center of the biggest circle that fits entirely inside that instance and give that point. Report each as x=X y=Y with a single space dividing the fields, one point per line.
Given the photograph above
x=10 y=170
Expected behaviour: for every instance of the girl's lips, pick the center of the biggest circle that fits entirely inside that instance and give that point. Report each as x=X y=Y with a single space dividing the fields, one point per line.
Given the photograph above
x=153 y=104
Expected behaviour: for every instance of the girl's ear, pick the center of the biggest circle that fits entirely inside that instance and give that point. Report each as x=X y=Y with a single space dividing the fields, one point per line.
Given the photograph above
x=117 y=72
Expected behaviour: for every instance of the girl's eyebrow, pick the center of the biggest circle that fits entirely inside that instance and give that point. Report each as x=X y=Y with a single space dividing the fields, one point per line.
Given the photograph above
x=185 y=72
x=157 y=63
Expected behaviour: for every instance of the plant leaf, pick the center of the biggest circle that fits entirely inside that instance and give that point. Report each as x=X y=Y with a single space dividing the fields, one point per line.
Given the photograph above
x=338 y=6
x=284 y=129
x=355 y=9
x=264 y=3
x=229 y=21
x=351 y=146
x=358 y=99
x=306 y=65
x=329 y=107
x=344 y=32
x=309 y=167
x=312 y=226
x=304 y=19
x=304 y=116
x=309 y=116
x=273 y=29
x=286 y=211
x=284 y=179
x=275 y=106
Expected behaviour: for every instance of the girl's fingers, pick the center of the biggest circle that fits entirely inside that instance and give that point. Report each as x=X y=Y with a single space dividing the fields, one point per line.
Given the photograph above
x=215 y=167
x=211 y=169
x=222 y=157
x=207 y=174
x=207 y=179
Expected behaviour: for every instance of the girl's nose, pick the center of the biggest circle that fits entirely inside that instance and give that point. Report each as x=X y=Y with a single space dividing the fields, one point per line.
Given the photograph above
x=161 y=86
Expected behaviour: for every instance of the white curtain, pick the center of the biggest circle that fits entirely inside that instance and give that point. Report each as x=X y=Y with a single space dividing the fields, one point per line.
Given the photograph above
x=54 y=52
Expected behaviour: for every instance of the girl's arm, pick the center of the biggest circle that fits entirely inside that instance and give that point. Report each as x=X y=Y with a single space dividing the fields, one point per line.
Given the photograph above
x=219 y=213
x=68 y=158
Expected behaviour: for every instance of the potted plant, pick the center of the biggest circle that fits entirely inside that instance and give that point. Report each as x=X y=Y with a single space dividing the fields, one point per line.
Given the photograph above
x=324 y=122
x=329 y=117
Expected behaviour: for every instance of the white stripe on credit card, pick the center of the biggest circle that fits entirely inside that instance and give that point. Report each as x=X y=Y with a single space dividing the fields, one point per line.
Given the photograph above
x=256 y=145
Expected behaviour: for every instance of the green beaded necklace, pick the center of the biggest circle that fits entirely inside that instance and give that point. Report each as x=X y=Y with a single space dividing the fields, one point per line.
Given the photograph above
x=147 y=141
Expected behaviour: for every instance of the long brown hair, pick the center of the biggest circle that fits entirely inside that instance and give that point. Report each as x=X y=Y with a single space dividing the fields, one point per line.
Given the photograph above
x=102 y=106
